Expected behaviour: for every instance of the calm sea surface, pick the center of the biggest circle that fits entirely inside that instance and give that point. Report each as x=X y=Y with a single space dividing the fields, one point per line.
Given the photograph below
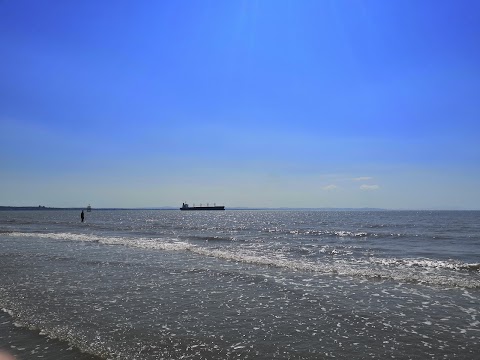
x=240 y=284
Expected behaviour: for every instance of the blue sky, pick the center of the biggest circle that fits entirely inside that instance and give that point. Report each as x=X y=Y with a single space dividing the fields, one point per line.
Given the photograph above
x=276 y=103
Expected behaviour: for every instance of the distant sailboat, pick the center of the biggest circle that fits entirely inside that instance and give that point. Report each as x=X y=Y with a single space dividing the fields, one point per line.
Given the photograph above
x=89 y=208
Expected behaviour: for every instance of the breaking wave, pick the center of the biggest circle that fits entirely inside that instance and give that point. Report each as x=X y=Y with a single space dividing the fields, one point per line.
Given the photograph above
x=427 y=263
x=450 y=273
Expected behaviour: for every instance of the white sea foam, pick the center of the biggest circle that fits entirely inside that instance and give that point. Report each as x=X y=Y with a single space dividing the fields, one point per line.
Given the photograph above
x=409 y=270
x=8 y=311
x=426 y=263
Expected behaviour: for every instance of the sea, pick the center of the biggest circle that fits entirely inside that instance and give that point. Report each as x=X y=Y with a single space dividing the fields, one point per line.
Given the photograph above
x=240 y=284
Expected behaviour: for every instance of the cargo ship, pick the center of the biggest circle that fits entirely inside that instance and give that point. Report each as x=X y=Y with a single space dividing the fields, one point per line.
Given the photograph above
x=185 y=206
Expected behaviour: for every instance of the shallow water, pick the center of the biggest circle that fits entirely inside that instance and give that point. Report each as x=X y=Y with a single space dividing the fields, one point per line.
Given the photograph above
x=240 y=284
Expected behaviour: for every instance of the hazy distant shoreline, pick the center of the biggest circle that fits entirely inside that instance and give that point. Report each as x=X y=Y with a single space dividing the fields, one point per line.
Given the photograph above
x=45 y=208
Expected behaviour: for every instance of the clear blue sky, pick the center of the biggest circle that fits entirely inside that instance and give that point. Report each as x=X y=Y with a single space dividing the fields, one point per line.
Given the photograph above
x=321 y=103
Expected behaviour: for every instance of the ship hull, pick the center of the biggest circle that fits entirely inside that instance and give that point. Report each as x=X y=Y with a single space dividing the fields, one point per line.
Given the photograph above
x=193 y=208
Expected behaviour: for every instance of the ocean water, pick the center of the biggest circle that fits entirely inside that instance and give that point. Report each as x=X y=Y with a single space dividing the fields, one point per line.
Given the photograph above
x=240 y=284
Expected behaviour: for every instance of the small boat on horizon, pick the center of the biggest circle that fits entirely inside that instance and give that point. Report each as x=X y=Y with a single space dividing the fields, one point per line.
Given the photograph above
x=89 y=208
x=185 y=206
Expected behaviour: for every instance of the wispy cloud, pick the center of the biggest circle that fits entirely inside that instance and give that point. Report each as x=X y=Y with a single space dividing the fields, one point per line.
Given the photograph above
x=362 y=178
x=365 y=187
x=330 y=187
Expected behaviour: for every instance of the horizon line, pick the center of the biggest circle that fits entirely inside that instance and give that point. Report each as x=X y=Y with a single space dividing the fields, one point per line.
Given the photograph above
x=41 y=207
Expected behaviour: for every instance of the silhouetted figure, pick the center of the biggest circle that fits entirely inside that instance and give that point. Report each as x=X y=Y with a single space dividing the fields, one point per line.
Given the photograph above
x=82 y=216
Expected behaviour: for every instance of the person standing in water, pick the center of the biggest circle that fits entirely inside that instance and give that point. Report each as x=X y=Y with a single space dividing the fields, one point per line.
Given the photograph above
x=82 y=216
